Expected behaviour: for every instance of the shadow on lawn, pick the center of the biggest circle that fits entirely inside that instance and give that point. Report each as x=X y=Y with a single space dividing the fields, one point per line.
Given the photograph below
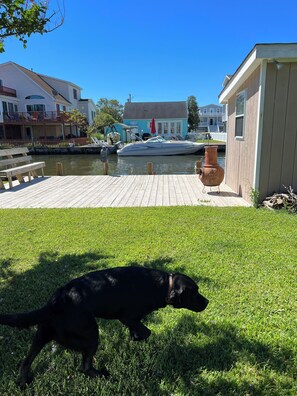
x=167 y=264
x=31 y=289
x=190 y=369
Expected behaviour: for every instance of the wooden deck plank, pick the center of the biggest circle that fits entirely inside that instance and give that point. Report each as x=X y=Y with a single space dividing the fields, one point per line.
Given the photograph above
x=126 y=191
x=122 y=191
x=103 y=194
x=146 y=197
x=141 y=190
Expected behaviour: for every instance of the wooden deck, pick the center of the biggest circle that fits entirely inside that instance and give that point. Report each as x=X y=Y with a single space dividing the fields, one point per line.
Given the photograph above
x=110 y=191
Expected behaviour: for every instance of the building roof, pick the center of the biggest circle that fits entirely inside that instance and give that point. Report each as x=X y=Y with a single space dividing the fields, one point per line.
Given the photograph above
x=159 y=110
x=60 y=80
x=282 y=52
x=37 y=79
x=210 y=105
x=43 y=84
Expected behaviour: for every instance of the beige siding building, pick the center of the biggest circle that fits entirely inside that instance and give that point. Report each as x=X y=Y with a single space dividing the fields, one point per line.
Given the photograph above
x=261 y=98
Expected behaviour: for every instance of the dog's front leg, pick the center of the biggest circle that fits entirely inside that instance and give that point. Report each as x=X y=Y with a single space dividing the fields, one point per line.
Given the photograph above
x=138 y=331
x=87 y=343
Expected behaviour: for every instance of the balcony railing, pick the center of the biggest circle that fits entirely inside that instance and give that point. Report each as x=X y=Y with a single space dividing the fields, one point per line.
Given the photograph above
x=7 y=91
x=30 y=117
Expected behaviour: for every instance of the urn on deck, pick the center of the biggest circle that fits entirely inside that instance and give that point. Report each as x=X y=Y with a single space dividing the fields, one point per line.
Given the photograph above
x=212 y=174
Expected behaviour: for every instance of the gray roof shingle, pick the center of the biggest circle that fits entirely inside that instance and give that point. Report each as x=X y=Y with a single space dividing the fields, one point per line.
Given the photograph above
x=160 y=110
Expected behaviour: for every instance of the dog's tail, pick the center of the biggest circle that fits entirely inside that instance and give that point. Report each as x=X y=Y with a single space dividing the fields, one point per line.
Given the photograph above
x=24 y=320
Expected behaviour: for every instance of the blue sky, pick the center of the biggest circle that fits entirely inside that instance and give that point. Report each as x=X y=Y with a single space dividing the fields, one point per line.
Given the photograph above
x=155 y=50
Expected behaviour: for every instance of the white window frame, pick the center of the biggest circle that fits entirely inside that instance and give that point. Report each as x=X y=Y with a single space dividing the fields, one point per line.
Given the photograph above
x=240 y=115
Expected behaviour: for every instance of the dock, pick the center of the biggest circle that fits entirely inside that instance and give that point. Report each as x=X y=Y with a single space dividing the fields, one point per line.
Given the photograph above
x=117 y=191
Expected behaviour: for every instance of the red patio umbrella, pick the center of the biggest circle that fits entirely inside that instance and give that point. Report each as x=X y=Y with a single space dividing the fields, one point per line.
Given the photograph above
x=153 y=126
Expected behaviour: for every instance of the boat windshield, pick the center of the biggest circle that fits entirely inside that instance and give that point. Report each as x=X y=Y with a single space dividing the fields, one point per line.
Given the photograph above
x=156 y=139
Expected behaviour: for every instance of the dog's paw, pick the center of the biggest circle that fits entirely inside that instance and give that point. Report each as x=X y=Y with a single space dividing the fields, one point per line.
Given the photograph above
x=141 y=335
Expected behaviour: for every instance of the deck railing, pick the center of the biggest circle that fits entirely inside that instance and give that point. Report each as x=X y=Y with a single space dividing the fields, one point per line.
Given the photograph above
x=7 y=91
x=31 y=116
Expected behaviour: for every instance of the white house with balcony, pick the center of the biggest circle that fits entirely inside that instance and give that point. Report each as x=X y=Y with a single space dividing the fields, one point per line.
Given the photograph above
x=211 y=118
x=31 y=105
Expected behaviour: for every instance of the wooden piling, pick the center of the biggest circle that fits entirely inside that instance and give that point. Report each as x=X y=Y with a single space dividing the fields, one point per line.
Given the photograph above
x=198 y=166
x=105 y=168
x=150 y=168
x=59 y=168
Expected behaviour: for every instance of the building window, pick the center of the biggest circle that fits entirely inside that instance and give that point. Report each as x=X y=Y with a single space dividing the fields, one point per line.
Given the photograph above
x=34 y=97
x=178 y=128
x=36 y=109
x=172 y=128
x=165 y=127
x=74 y=93
x=240 y=113
x=159 y=128
x=5 y=108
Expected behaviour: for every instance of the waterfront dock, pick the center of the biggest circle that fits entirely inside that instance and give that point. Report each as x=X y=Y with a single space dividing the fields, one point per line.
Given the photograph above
x=117 y=191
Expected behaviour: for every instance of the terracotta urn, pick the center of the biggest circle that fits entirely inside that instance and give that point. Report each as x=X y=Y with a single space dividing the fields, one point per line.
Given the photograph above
x=212 y=174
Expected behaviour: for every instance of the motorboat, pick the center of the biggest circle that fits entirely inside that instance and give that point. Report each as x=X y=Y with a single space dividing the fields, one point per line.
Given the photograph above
x=157 y=145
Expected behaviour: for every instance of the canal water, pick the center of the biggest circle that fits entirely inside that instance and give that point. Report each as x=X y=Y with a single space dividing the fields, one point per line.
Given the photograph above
x=91 y=164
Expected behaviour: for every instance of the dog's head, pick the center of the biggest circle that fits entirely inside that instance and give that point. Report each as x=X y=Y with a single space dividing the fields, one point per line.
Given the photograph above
x=184 y=294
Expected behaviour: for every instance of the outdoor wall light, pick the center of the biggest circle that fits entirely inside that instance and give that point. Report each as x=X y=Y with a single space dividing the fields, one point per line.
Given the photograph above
x=278 y=65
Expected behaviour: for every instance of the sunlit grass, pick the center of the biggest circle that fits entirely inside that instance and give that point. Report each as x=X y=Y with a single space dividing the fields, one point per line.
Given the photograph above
x=243 y=259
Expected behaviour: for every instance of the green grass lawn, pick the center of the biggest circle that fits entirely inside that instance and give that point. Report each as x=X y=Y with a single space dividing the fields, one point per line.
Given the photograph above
x=244 y=260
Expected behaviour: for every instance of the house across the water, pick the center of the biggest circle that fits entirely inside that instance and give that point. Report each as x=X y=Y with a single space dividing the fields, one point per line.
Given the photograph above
x=170 y=119
x=31 y=105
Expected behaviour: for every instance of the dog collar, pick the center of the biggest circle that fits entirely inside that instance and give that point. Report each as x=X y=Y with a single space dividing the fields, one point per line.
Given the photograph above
x=170 y=287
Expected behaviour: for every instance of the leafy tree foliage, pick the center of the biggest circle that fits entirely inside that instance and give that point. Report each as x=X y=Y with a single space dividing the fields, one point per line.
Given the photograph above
x=76 y=118
x=101 y=121
x=111 y=107
x=193 y=113
x=21 y=18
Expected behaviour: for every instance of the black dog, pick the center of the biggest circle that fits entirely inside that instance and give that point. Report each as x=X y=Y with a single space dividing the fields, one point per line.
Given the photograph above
x=125 y=293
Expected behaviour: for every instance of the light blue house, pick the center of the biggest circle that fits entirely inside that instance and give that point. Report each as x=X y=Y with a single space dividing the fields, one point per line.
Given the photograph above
x=171 y=119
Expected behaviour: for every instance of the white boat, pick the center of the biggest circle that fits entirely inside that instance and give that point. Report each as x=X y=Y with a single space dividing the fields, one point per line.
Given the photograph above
x=159 y=146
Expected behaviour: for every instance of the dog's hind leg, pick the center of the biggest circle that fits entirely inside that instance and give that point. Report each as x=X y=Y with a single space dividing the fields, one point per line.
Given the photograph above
x=41 y=338
x=138 y=331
